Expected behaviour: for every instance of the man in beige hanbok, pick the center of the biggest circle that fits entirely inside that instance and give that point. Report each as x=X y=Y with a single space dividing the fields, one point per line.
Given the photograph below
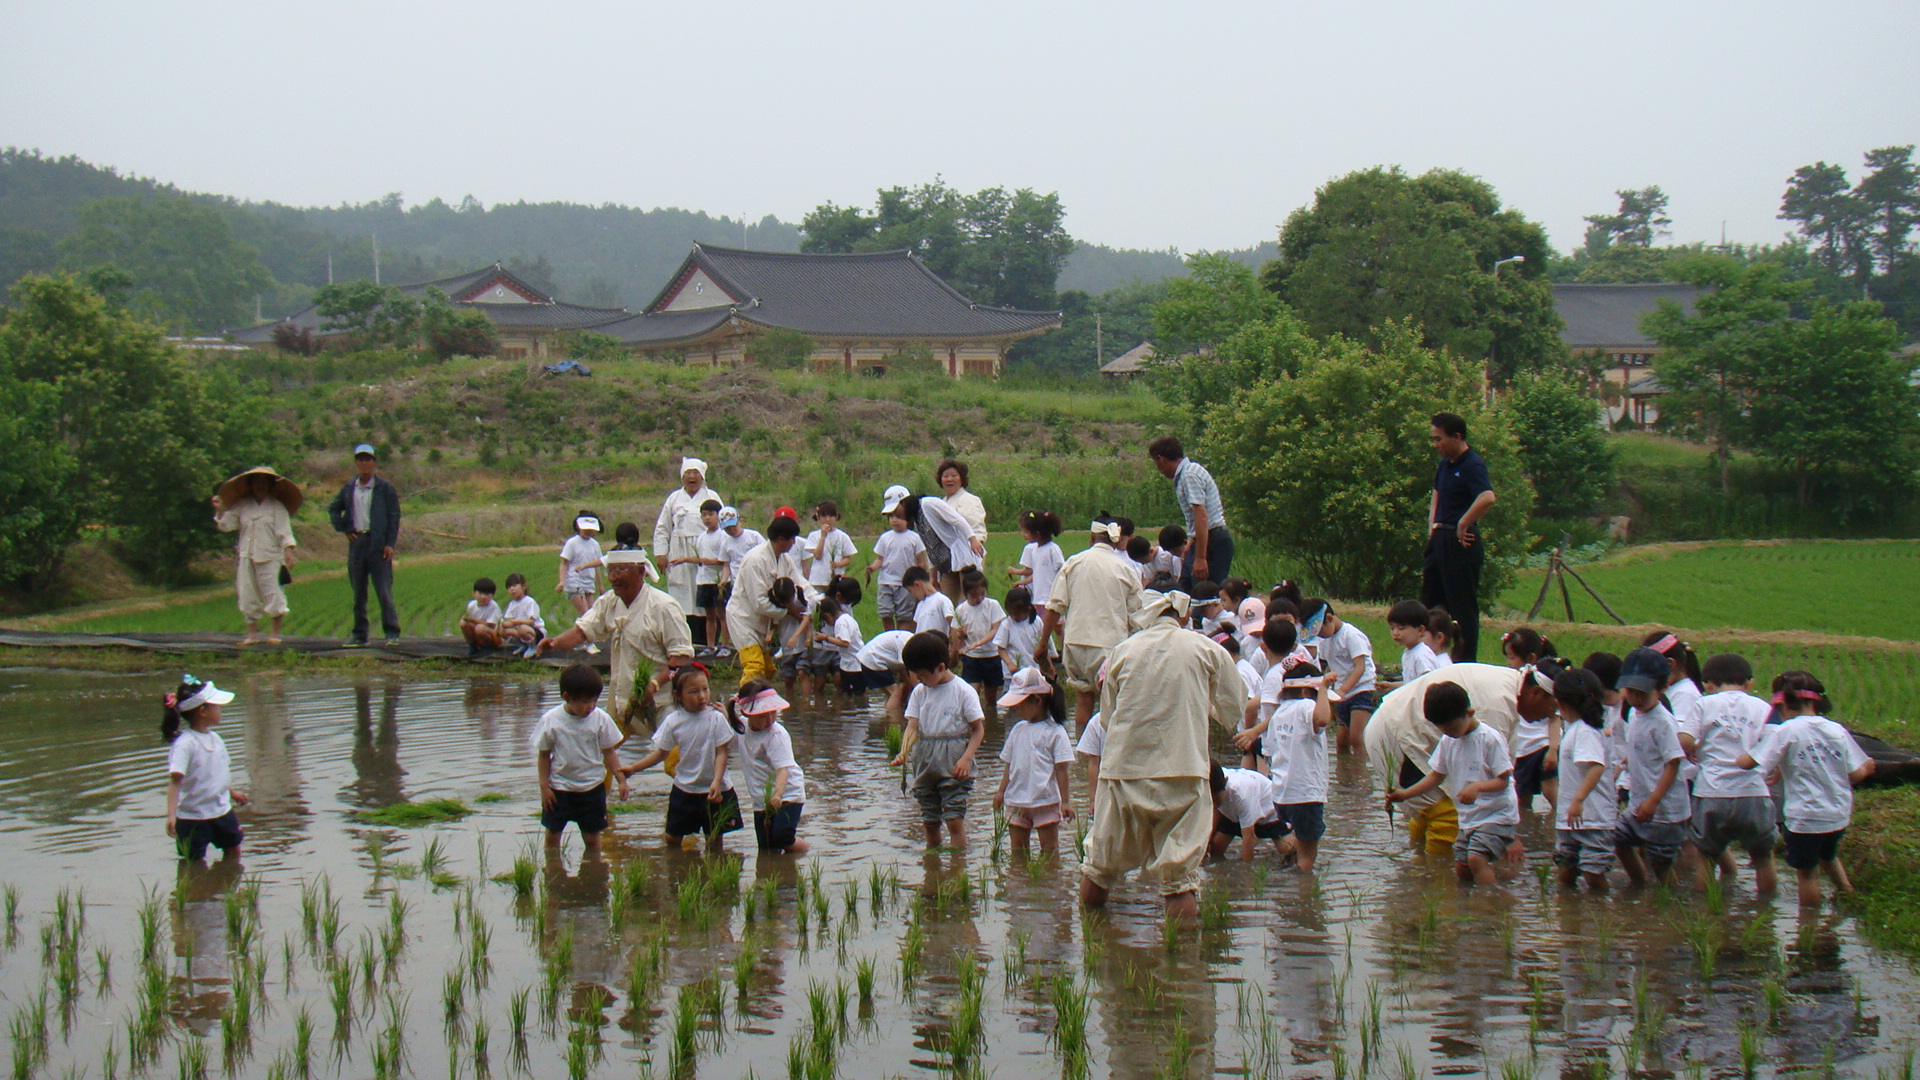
x=1152 y=807
x=637 y=622
x=1095 y=594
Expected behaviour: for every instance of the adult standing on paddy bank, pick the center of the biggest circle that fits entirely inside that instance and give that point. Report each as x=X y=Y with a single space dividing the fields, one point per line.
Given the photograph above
x=367 y=510
x=1153 y=807
x=1209 y=554
x=676 y=541
x=637 y=623
x=1462 y=495
x=259 y=504
x=951 y=475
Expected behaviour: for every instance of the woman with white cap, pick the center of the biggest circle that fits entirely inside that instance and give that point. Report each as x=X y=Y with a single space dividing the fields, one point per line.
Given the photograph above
x=676 y=538
x=259 y=504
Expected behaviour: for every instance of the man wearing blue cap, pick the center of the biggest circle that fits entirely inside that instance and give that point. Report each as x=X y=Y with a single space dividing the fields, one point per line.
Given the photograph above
x=367 y=510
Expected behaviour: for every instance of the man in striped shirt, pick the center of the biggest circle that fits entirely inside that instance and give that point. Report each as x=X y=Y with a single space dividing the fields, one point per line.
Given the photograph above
x=1210 y=546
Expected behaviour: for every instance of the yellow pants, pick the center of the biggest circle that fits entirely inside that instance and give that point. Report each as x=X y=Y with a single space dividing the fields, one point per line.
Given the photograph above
x=1437 y=826
x=756 y=664
x=1159 y=826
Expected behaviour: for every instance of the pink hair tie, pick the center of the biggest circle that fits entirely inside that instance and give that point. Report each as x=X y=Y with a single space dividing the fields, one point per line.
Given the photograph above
x=1664 y=644
x=170 y=700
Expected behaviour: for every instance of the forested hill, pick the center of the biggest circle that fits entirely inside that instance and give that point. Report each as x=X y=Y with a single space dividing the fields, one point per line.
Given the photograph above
x=607 y=255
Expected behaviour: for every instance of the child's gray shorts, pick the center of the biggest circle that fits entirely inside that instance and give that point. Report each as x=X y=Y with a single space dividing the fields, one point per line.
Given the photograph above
x=1746 y=820
x=1488 y=840
x=941 y=797
x=896 y=602
x=1588 y=850
x=1661 y=839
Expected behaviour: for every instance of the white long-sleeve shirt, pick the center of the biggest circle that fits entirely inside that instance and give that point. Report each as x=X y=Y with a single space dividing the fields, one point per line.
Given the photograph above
x=750 y=616
x=266 y=532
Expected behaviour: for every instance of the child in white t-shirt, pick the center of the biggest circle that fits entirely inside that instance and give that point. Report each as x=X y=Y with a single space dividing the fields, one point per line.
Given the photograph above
x=574 y=754
x=828 y=549
x=1279 y=643
x=1473 y=763
x=1535 y=743
x=1345 y=651
x=1034 y=787
x=1092 y=744
x=580 y=563
x=1242 y=809
x=836 y=637
x=774 y=781
x=710 y=561
x=1658 y=814
x=1583 y=818
x=739 y=543
x=1441 y=633
x=932 y=610
x=1730 y=804
x=1019 y=633
x=1819 y=762
x=521 y=625
x=976 y=622
x=200 y=791
x=1407 y=625
x=480 y=624
x=1041 y=560
x=945 y=724
x=896 y=551
x=702 y=799
x=1295 y=743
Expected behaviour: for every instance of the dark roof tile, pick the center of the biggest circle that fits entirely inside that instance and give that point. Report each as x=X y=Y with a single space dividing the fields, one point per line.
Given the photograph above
x=1608 y=316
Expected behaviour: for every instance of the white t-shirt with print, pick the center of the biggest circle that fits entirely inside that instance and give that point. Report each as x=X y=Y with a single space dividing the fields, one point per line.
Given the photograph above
x=577 y=552
x=1724 y=726
x=896 y=550
x=1247 y=799
x=529 y=609
x=1479 y=755
x=1045 y=560
x=1298 y=753
x=578 y=745
x=1347 y=648
x=946 y=710
x=1019 y=639
x=1031 y=750
x=711 y=544
x=979 y=622
x=763 y=753
x=934 y=613
x=1814 y=756
x=1653 y=739
x=820 y=570
x=697 y=737
x=1583 y=749
x=206 y=774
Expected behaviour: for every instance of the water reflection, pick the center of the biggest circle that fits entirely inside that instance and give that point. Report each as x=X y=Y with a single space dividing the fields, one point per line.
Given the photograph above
x=376 y=747
x=200 y=941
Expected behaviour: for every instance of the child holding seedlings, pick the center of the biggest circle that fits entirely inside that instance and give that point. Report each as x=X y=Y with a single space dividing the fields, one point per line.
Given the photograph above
x=1242 y=810
x=1536 y=743
x=1278 y=641
x=1019 y=635
x=574 y=753
x=836 y=644
x=580 y=562
x=200 y=791
x=828 y=549
x=1730 y=803
x=521 y=625
x=702 y=799
x=945 y=724
x=977 y=620
x=1584 y=819
x=1295 y=743
x=1041 y=560
x=897 y=550
x=1473 y=763
x=1345 y=651
x=1819 y=762
x=480 y=624
x=1034 y=787
x=774 y=779
x=1657 y=814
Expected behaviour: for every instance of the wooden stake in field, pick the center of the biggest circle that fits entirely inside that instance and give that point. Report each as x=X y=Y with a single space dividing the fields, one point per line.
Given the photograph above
x=1558 y=570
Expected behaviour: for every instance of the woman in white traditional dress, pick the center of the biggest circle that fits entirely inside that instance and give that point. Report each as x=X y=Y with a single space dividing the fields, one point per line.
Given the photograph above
x=259 y=505
x=951 y=476
x=676 y=538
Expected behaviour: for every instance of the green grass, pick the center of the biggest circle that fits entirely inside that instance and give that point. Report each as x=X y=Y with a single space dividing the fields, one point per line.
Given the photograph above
x=412 y=815
x=1862 y=589
x=1882 y=856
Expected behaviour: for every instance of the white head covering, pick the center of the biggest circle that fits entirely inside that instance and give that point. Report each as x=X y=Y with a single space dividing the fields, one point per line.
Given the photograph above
x=587 y=521
x=1154 y=605
x=891 y=500
x=1109 y=529
x=693 y=464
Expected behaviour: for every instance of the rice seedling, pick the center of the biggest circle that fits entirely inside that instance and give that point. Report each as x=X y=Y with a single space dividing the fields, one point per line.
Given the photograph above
x=1507 y=930
x=1704 y=936
x=1409 y=1069
x=688 y=900
x=376 y=846
x=397 y=911
x=1337 y=1058
x=110 y=1060
x=369 y=959
x=10 y=900
x=453 y=996
x=479 y=943
x=1752 y=1045
x=1214 y=910
x=743 y=966
x=912 y=944
x=481 y=1043
x=1774 y=993
x=193 y=1060
x=340 y=994
x=330 y=927
x=1069 y=997
x=517 y=1015
x=412 y=815
x=894 y=737
x=864 y=972
x=685 y=1049
x=823 y=906
x=1179 y=1051
x=433 y=857
x=521 y=877
x=1000 y=829
x=301 y=1054
x=644 y=976
x=876 y=888
x=1170 y=933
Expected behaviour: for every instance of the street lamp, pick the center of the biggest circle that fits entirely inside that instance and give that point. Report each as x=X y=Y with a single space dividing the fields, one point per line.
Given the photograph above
x=1498 y=263
x=1493 y=348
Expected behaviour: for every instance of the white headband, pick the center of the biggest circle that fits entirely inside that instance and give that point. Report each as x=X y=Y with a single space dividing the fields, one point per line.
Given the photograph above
x=1111 y=529
x=693 y=464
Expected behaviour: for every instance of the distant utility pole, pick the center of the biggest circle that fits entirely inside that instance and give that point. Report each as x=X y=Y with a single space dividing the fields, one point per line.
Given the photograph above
x=329 y=266
x=1099 y=344
x=376 y=258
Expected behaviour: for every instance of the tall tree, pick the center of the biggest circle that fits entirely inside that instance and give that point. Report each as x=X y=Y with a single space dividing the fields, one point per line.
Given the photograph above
x=189 y=271
x=376 y=314
x=1219 y=295
x=1817 y=199
x=1642 y=216
x=1889 y=194
x=1379 y=246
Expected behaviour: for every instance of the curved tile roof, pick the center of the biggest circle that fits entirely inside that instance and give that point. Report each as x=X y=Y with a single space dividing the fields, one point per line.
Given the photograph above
x=1598 y=316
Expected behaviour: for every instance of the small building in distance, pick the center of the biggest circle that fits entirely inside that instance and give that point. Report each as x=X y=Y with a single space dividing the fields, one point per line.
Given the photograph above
x=861 y=311
x=528 y=320
x=1130 y=364
x=1604 y=321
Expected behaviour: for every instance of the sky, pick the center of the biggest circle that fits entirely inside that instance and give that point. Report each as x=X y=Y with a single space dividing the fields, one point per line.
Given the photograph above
x=1159 y=125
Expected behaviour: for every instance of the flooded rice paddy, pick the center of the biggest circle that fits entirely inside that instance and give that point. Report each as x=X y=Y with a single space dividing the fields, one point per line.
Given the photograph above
x=337 y=949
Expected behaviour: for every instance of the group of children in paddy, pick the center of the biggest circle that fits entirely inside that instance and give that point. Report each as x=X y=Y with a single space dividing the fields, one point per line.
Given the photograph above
x=1665 y=761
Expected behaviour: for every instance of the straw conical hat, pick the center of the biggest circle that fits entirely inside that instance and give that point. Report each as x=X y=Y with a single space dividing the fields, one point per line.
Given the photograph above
x=288 y=492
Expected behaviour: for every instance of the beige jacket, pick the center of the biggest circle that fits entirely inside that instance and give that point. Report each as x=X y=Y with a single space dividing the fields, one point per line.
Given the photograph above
x=1094 y=594
x=1163 y=685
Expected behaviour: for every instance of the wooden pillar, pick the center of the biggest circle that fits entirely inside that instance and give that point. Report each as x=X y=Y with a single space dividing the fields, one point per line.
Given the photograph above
x=953 y=361
x=848 y=351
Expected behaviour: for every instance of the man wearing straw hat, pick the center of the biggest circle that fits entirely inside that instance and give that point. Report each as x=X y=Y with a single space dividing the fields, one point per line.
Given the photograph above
x=259 y=504
x=1152 y=808
x=637 y=623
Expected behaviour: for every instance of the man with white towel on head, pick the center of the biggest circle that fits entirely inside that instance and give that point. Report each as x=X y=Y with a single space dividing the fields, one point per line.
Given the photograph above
x=676 y=540
x=1093 y=596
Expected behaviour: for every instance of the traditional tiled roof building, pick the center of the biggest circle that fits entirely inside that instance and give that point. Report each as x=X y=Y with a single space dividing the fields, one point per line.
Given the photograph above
x=1605 y=319
x=860 y=311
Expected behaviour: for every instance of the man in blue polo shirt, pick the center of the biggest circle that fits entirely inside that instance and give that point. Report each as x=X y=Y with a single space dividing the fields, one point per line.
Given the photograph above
x=1462 y=495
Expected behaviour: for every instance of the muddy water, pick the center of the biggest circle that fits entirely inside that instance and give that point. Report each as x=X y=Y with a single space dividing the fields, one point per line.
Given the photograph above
x=1379 y=965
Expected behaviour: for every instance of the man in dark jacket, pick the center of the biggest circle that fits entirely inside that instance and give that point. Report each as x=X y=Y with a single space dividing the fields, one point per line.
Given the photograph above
x=367 y=510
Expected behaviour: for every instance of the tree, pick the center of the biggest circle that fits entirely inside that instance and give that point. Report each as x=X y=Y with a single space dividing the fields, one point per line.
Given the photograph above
x=1333 y=466
x=1818 y=200
x=1556 y=424
x=38 y=522
x=1203 y=387
x=374 y=314
x=1379 y=246
x=189 y=271
x=154 y=433
x=1889 y=196
x=1218 y=296
x=779 y=349
x=593 y=346
x=994 y=246
x=1641 y=217
x=451 y=331
x=1122 y=316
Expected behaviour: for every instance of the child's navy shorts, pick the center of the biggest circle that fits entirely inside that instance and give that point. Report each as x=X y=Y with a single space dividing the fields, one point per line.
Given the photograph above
x=1807 y=850
x=586 y=809
x=706 y=597
x=192 y=835
x=1272 y=829
x=1530 y=771
x=777 y=830
x=689 y=813
x=1343 y=709
x=983 y=671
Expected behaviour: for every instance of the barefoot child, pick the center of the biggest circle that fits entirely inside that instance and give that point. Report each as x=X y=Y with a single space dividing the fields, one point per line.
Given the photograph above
x=1584 y=818
x=774 y=779
x=976 y=622
x=1243 y=809
x=945 y=724
x=1730 y=804
x=574 y=754
x=1658 y=813
x=1473 y=763
x=702 y=799
x=200 y=792
x=1034 y=787
x=1819 y=763
x=1296 y=748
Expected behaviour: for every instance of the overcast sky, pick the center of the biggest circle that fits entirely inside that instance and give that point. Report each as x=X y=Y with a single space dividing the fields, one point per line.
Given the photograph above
x=1164 y=124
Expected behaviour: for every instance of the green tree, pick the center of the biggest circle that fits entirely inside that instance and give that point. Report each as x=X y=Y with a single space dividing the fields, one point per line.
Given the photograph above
x=779 y=349
x=189 y=271
x=1218 y=296
x=1379 y=246
x=1556 y=423
x=38 y=522
x=154 y=432
x=1642 y=216
x=1333 y=466
x=1818 y=200
x=373 y=314
x=593 y=346
x=1889 y=196
x=1122 y=316
x=1202 y=388
x=451 y=331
